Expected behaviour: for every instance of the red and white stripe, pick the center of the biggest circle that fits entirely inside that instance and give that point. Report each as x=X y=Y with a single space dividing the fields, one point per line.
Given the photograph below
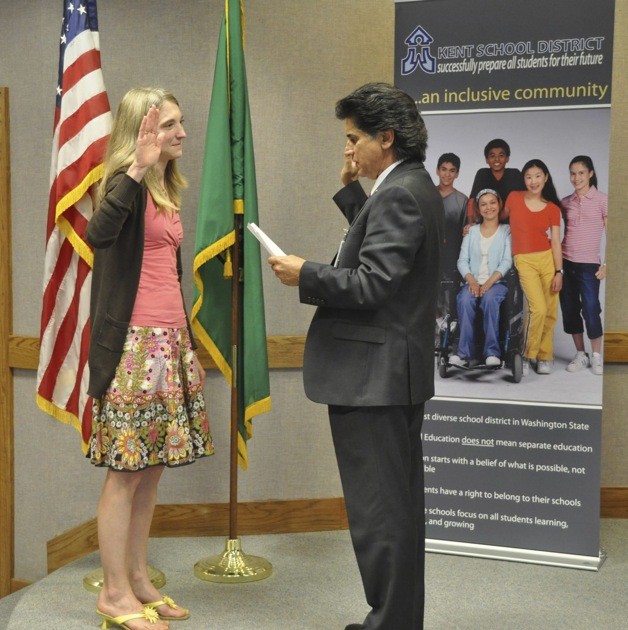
x=81 y=131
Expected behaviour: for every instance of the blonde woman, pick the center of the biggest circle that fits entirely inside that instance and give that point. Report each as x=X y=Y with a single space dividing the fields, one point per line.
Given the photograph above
x=145 y=379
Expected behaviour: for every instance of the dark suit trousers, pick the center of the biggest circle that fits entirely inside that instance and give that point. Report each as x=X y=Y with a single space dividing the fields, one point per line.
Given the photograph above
x=380 y=459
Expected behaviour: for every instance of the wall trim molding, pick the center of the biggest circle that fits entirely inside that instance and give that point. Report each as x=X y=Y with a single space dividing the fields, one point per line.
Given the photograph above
x=212 y=519
x=614 y=502
x=254 y=518
x=283 y=351
x=18 y=585
x=616 y=347
x=7 y=481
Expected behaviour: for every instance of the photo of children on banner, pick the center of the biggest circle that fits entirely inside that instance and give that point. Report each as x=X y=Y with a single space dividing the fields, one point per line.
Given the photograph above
x=474 y=328
x=533 y=214
x=585 y=214
x=542 y=268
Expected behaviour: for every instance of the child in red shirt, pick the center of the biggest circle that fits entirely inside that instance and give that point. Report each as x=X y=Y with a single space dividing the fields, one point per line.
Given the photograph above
x=535 y=213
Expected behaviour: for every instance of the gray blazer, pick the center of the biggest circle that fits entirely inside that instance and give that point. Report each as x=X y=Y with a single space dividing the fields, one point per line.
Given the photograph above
x=371 y=341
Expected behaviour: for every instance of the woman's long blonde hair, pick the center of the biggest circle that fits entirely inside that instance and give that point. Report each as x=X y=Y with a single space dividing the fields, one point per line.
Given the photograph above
x=121 y=148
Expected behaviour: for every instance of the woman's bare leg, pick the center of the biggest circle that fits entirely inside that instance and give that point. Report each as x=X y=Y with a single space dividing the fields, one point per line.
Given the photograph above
x=115 y=515
x=137 y=561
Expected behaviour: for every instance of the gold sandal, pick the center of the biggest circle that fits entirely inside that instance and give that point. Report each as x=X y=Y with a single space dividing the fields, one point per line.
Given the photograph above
x=168 y=601
x=150 y=614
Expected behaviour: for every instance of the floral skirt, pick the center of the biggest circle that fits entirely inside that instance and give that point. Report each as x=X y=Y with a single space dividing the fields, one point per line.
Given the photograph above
x=153 y=412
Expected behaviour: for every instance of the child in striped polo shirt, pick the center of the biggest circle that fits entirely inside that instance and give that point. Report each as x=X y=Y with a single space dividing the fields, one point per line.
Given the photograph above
x=584 y=213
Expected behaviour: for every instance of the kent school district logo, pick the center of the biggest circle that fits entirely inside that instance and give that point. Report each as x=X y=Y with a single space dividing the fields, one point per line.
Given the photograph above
x=418 y=43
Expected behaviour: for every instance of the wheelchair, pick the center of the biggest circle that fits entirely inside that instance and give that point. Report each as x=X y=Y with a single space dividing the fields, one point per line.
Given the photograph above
x=510 y=329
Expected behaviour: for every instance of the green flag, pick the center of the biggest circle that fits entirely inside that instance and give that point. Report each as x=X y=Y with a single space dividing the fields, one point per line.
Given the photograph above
x=228 y=188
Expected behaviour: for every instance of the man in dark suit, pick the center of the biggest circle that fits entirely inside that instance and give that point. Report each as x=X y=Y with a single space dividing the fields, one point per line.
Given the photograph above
x=369 y=353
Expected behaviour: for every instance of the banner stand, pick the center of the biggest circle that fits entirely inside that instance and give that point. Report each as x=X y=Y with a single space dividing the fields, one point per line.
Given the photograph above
x=512 y=465
x=512 y=554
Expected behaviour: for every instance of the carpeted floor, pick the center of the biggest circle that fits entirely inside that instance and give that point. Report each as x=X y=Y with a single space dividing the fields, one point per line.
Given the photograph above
x=315 y=586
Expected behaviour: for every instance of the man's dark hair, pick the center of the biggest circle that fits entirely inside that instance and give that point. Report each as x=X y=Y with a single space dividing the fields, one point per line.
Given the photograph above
x=498 y=143
x=452 y=158
x=378 y=107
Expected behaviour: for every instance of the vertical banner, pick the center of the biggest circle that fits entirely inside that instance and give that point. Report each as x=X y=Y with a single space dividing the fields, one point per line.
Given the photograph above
x=513 y=463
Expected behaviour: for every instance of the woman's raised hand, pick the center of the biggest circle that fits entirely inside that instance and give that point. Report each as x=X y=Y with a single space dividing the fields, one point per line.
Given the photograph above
x=147 y=146
x=149 y=140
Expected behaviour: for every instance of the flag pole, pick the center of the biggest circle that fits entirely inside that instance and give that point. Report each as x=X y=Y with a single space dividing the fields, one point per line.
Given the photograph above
x=236 y=301
x=228 y=193
x=233 y=566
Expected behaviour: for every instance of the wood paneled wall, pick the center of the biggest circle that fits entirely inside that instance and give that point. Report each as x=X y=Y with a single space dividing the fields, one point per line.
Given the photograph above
x=6 y=375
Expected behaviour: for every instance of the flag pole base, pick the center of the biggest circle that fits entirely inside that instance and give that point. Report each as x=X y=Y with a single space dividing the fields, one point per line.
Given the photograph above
x=233 y=566
x=93 y=581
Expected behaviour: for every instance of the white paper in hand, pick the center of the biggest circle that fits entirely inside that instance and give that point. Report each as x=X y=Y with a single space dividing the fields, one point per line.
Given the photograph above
x=269 y=245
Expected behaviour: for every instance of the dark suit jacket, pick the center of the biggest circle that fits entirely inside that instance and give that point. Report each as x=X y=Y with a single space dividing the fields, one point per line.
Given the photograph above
x=371 y=341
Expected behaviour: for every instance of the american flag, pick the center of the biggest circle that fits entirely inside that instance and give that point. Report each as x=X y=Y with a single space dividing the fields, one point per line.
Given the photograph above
x=82 y=122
